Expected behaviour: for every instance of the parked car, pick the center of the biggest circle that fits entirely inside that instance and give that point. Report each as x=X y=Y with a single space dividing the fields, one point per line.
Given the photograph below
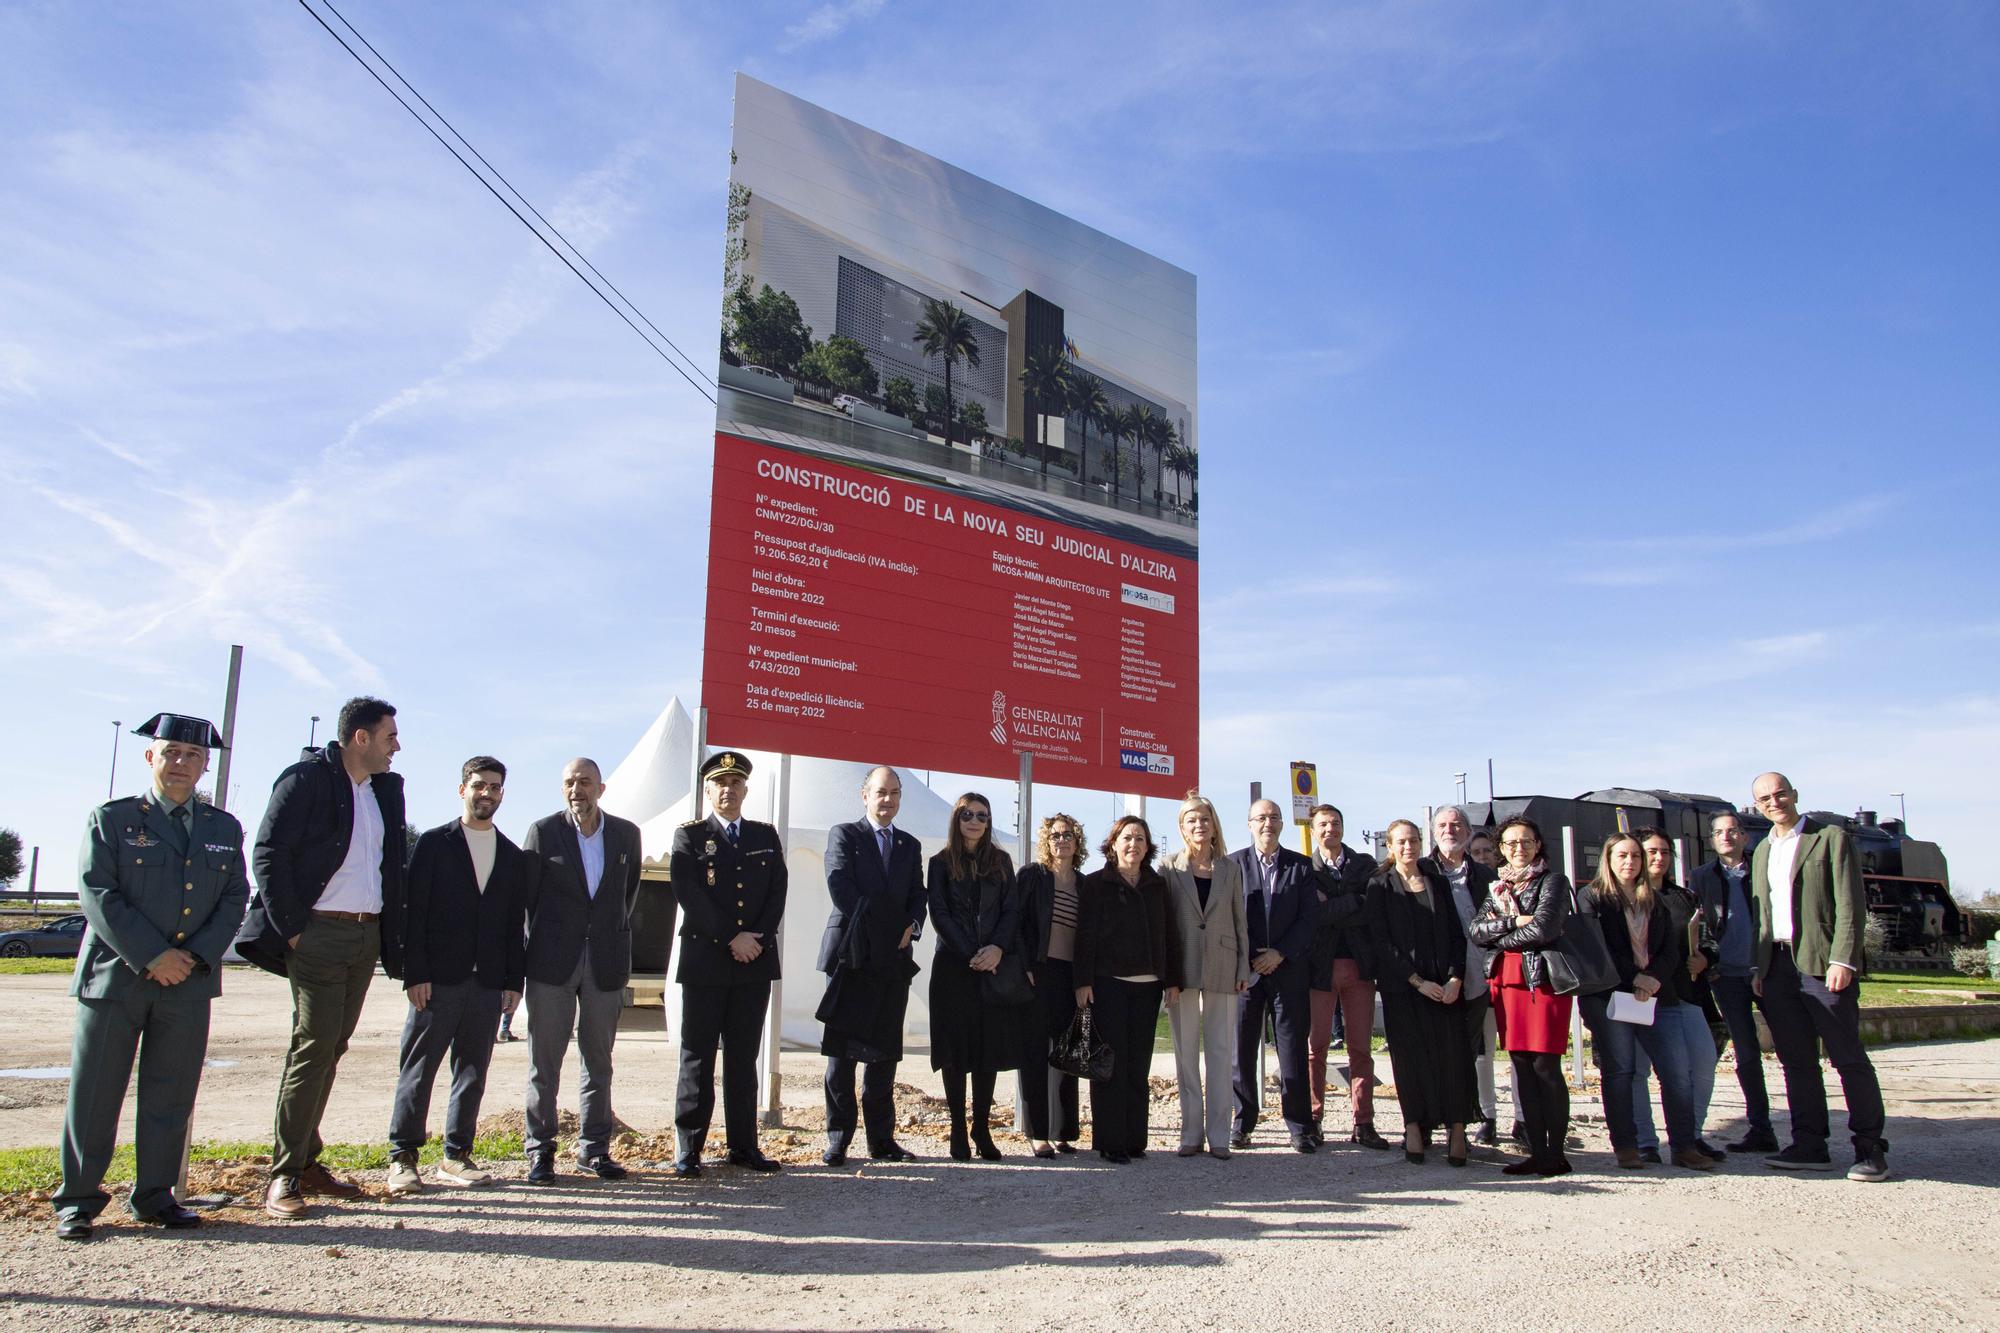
x=767 y=373
x=847 y=402
x=60 y=938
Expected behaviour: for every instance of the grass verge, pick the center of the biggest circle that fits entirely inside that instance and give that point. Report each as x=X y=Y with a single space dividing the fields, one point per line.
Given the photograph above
x=25 y=1169
x=35 y=967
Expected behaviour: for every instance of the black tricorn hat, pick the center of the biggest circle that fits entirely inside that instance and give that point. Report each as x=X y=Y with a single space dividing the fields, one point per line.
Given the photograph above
x=180 y=727
x=723 y=763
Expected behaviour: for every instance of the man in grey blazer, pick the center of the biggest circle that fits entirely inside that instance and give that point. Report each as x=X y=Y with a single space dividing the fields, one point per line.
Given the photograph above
x=1808 y=957
x=579 y=959
x=163 y=887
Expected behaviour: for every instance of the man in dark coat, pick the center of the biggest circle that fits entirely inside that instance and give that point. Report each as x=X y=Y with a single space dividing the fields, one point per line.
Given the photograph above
x=728 y=876
x=579 y=959
x=329 y=861
x=874 y=874
x=1281 y=910
x=163 y=888
x=1343 y=973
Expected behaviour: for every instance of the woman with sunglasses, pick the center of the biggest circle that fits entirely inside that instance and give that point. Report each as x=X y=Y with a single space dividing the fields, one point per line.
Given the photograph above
x=1640 y=937
x=1048 y=894
x=973 y=909
x=1205 y=894
x=1126 y=957
x=1420 y=970
x=1525 y=913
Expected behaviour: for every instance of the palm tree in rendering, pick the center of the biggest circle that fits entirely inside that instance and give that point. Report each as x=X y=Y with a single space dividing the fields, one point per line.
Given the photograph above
x=1116 y=424
x=1144 y=422
x=946 y=331
x=1087 y=402
x=1045 y=378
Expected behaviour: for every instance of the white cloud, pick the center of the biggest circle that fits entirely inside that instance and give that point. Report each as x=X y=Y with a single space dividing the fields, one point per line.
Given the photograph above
x=827 y=22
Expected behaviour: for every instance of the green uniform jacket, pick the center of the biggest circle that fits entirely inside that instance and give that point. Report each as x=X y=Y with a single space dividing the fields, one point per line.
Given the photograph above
x=143 y=898
x=1829 y=902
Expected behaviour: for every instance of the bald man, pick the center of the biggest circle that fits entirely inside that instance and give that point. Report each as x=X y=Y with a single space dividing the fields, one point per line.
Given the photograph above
x=1281 y=912
x=1811 y=907
x=579 y=959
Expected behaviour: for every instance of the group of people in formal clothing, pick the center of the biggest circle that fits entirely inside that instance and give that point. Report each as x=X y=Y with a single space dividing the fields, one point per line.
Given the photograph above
x=1456 y=941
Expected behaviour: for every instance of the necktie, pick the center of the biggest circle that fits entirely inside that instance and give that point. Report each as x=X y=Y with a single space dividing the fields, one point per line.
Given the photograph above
x=884 y=839
x=181 y=829
x=729 y=832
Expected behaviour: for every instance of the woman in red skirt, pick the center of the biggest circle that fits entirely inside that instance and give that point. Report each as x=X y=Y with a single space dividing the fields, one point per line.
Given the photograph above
x=1526 y=913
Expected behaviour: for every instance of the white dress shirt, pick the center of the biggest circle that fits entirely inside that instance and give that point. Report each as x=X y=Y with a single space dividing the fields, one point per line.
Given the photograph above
x=357 y=885
x=592 y=847
x=1784 y=857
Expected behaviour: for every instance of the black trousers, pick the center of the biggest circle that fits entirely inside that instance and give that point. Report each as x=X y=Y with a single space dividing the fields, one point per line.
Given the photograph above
x=1542 y=1100
x=734 y=1016
x=1291 y=1010
x=877 y=1107
x=1804 y=1015
x=1127 y=1016
x=1050 y=1098
x=1738 y=1004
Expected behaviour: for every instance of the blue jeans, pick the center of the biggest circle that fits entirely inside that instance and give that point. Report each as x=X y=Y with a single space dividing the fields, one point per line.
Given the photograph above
x=1683 y=1023
x=1734 y=997
x=1617 y=1046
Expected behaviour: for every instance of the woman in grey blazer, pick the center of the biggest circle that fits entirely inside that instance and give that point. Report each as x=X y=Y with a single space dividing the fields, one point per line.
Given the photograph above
x=1205 y=895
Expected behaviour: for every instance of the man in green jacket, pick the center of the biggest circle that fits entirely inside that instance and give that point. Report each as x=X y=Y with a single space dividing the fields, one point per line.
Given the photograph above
x=1809 y=956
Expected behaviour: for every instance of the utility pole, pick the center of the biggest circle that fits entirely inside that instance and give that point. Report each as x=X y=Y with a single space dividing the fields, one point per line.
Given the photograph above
x=111 y=787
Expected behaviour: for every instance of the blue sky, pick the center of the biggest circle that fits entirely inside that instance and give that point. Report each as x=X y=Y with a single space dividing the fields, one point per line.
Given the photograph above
x=1610 y=392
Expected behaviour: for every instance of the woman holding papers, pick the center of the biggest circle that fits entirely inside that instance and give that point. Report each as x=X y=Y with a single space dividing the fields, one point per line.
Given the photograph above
x=1640 y=935
x=1525 y=913
x=1420 y=971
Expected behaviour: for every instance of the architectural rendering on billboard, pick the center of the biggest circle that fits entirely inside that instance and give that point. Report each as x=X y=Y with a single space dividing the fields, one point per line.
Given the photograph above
x=956 y=475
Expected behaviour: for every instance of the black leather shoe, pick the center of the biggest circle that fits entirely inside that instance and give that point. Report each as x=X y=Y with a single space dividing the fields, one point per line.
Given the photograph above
x=1487 y=1136
x=1366 y=1136
x=1304 y=1144
x=542 y=1168
x=173 y=1217
x=1650 y=1156
x=1710 y=1149
x=604 y=1168
x=687 y=1170
x=1239 y=1140
x=74 y=1226
x=896 y=1152
x=752 y=1161
x=832 y=1158
x=1757 y=1140
x=1061 y=1147
x=1799 y=1158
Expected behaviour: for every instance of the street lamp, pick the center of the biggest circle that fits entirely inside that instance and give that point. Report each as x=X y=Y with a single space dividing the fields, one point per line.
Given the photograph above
x=312 y=732
x=111 y=787
x=1901 y=809
x=1459 y=778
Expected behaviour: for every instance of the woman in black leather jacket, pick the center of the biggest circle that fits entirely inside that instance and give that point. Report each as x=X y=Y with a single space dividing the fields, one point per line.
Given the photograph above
x=976 y=917
x=1528 y=907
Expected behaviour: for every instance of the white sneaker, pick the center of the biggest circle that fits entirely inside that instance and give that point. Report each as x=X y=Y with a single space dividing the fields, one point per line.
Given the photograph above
x=462 y=1171
x=403 y=1177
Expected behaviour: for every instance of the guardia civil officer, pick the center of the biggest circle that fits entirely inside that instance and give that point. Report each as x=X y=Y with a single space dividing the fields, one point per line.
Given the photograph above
x=728 y=876
x=163 y=886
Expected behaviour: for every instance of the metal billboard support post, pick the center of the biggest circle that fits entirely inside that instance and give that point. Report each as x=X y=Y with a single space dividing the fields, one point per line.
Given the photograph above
x=1024 y=848
x=774 y=1021
x=221 y=802
x=1576 y=1008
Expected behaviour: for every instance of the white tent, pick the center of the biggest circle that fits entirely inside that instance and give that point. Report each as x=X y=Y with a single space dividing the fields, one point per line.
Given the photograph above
x=824 y=792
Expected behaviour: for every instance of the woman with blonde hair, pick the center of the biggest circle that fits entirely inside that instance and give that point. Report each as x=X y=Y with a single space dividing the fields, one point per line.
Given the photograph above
x=1047 y=893
x=1205 y=896
x=1420 y=958
x=1639 y=932
x=973 y=909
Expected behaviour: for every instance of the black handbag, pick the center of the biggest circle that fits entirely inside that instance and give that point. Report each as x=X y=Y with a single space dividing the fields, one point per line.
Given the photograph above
x=1078 y=1052
x=1580 y=962
x=1007 y=985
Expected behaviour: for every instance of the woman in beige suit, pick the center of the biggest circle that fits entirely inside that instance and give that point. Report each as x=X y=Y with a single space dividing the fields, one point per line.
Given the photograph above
x=1205 y=895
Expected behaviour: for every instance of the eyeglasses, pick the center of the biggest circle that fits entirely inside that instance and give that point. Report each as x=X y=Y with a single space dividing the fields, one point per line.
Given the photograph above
x=1064 y=836
x=974 y=817
x=1516 y=844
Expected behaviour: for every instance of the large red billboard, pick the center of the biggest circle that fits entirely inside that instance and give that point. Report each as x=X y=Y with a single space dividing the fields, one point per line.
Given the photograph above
x=862 y=616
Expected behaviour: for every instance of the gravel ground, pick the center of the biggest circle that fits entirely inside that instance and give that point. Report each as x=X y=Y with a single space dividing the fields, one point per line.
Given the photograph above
x=1267 y=1240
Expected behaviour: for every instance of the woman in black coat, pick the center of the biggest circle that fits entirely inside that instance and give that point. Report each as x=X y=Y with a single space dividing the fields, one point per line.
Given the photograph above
x=1126 y=959
x=1420 y=971
x=974 y=910
x=1048 y=892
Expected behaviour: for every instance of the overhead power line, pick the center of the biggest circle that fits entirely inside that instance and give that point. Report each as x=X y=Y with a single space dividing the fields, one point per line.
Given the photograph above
x=684 y=366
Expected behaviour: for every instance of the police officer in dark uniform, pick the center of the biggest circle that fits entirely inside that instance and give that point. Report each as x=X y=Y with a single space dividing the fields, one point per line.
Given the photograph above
x=728 y=876
x=163 y=885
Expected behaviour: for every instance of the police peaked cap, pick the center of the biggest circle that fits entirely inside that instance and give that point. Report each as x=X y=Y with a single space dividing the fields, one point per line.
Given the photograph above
x=725 y=763
x=180 y=727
